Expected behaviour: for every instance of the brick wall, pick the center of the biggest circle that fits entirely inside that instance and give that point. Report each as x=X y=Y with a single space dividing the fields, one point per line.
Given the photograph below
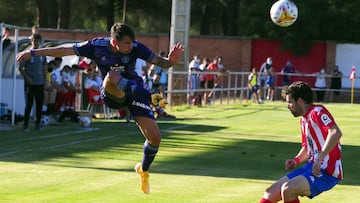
x=236 y=51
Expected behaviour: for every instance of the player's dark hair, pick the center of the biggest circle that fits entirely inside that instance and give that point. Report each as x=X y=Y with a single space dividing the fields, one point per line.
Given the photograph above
x=298 y=89
x=35 y=37
x=162 y=53
x=58 y=59
x=119 y=30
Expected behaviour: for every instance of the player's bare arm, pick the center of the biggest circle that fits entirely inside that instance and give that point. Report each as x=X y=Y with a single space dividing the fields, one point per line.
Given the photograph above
x=301 y=157
x=49 y=51
x=334 y=135
x=173 y=57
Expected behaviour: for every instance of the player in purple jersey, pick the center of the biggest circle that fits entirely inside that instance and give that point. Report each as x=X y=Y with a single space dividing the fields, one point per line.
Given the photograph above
x=116 y=58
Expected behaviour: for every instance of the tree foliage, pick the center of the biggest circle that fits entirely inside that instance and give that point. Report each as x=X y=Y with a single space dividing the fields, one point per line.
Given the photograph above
x=318 y=19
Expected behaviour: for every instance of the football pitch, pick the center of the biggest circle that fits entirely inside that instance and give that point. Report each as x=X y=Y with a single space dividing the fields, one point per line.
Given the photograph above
x=218 y=154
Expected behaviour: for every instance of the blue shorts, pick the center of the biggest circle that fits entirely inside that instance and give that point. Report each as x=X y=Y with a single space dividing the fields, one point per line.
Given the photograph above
x=137 y=99
x=317 y=184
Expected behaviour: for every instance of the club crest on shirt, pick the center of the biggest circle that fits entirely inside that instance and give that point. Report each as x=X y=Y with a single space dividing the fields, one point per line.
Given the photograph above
x=325 y=119
x=125 y=59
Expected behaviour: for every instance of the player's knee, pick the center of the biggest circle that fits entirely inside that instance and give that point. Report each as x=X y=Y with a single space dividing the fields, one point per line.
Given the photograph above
x=112 y=89
x=155 y=140
x=272 y=193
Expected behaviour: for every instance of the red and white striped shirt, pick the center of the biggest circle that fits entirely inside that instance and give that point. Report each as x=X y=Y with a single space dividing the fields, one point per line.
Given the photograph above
x=314 y=130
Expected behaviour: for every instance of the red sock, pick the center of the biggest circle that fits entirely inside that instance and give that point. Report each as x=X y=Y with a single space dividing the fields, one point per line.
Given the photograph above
x=263 y=200
x=293 y=201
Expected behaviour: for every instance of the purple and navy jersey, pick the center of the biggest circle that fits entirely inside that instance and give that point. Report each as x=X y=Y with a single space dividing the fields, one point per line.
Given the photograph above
x=99 y=50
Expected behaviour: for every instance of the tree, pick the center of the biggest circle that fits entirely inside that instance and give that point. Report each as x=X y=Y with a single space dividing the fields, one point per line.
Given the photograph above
x=10 y=12
x=65 y=13
x=47 y=13
x=318 y=19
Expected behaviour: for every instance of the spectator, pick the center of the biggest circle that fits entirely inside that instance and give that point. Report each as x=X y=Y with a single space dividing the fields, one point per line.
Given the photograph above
x=91 y=84
x=159 y=104
x=263 y=73
x=35 y=30
x=210 y=79
x=156 y=87
x=140 y=66
x=71 y=85
x=193 y=77
x=6 y=37
x=34 y=71
x=288 y=68
x=84 y=63
x=253 y=86
x=149 y=79
x=335 y=82
x=57 y=82
x=270 y=84
x=203 y=66
x=163 y=81
x=221 y=63
x=50 y=91
x=320 y=85
x=159 y=78
x=220 y=77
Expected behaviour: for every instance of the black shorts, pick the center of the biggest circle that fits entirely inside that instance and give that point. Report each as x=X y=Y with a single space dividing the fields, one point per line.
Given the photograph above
x=210 y=84
x=202 y=84
x=262 y=83
x=254 y=89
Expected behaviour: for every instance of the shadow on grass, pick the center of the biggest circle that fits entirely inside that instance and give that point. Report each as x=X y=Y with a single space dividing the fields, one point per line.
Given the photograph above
x=192 y=151
x=254 y=159
x=19 y=146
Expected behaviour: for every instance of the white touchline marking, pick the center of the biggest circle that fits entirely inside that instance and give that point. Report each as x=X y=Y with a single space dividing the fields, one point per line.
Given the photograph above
x=72 y=132
x=77 y=141
x=48 y=136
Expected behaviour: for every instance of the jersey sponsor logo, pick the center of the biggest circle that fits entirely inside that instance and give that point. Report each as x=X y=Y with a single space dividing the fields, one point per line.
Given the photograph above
x=325 y=119
x=141 y=105
x=117 y=68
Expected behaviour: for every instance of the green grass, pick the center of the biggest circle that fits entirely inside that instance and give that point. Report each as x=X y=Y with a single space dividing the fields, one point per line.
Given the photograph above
x=209 y=154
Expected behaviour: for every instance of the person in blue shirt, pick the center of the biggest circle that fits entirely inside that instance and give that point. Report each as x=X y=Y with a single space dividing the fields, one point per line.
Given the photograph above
x=116 y=57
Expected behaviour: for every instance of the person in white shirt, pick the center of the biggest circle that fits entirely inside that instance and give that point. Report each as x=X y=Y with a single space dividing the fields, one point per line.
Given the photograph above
x=57 y=82
x=140 y=67
x=193 y=76
x=320 y=85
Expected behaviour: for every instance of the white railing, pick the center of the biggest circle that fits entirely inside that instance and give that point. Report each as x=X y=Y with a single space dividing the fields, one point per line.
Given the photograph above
x=234 y=87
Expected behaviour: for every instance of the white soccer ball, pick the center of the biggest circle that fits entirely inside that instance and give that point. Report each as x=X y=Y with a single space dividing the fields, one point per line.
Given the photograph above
x=44 y=120
x=284 y=13
x=85 y=121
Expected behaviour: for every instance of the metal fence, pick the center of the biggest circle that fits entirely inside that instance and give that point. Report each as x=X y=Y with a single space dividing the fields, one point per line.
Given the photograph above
x=233 y=87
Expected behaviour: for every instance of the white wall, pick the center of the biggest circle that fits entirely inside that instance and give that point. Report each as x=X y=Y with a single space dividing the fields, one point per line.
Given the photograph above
x=7 y=94
x=347 y=56
x=7 y=89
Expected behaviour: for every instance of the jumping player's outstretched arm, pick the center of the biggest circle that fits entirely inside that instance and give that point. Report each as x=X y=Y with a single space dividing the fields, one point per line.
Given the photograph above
x=49 y=51
x=173 y=57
